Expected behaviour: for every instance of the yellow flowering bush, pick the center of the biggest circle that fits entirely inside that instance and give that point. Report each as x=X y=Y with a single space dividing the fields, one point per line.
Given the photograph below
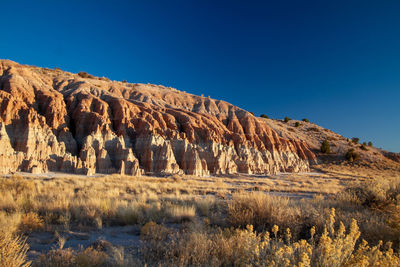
x=336 y=246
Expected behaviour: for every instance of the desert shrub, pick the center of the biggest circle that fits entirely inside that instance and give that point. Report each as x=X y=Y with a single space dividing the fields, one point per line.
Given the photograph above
x=376 y=204
x=326 y=147
x=203 y=246
x=154 y=237
x=30 y=222
x=129 y=214
x=84 y=74
x=306 y=120
x=13 y=250
x=355 y=140
x=374 y=256
x=252 y=113
x=7 y=201
x=204 y=206
x=153 y=231
x=369 y=143
x=314 y=129
x=118 y=257
x=297 y=124
x=179 y=213
x=261 y=210
x=286 y=119
x=199 y=245
x=352 y=155
x=374 y=194
x=194 y=248
x=153 y=212
x=363 y=147
x=10 y=222
x=335 y=247
x=264 y=116
x=70 y=258
x=90 y=257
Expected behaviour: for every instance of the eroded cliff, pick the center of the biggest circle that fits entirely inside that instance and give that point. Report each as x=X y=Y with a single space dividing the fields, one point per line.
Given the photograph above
x=52 y=120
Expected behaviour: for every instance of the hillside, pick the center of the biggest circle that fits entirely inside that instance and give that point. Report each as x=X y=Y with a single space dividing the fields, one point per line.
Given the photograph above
x=314 y=135
x=53 y=120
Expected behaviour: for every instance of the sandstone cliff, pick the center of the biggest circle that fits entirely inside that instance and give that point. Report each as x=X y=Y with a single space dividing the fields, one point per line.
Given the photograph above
x=52 y=120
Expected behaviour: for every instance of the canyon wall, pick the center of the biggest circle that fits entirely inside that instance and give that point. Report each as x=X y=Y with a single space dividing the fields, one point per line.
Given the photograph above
x=51 y=120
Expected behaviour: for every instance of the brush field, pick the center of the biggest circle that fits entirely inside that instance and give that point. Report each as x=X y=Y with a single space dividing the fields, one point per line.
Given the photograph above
x=333 y=216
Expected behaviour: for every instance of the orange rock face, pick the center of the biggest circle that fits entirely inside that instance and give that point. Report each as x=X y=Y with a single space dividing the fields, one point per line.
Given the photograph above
x=52 y=120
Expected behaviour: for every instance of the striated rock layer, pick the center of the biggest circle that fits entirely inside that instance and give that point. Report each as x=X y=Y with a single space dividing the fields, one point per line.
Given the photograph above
x=52 y=120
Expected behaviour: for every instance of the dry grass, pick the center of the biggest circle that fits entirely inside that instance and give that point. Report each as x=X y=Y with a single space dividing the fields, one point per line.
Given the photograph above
x=261 y=210
x=205 y=205
x=213 y=217
x=205 y=246
x=67 y=257
x=115 y=199
x=30 y=222
x=179 y=213
x=13 y=250
x=13 y=247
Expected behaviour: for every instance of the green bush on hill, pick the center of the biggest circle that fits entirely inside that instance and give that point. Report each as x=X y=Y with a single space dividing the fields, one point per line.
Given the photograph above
x=84 y=74
x=326 y=147
x=352 y=155
x=364 y=146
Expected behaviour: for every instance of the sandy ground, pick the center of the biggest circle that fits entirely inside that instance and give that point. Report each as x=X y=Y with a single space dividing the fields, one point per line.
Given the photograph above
x=119 y=236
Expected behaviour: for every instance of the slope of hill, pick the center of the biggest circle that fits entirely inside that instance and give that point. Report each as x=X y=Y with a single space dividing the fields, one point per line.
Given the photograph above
x=51 y=120
x=314 y=135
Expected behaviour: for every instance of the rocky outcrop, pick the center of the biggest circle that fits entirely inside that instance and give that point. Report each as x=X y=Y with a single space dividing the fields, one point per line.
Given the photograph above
x=52 y=120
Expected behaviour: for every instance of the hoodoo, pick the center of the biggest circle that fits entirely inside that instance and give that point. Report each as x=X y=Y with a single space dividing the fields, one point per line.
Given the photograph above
x=51 y=120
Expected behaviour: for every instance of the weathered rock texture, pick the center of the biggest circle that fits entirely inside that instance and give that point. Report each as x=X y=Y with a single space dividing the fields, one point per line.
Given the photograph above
x=52 y=120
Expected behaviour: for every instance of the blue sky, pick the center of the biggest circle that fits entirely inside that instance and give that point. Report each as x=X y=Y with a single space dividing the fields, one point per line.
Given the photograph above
x=334 y=62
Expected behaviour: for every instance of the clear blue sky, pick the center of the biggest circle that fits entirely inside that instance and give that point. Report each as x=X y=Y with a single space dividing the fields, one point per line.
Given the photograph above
x=334 y=62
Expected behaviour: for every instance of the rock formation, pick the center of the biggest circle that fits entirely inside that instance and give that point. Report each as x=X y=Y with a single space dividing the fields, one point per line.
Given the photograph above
x=52 y=120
